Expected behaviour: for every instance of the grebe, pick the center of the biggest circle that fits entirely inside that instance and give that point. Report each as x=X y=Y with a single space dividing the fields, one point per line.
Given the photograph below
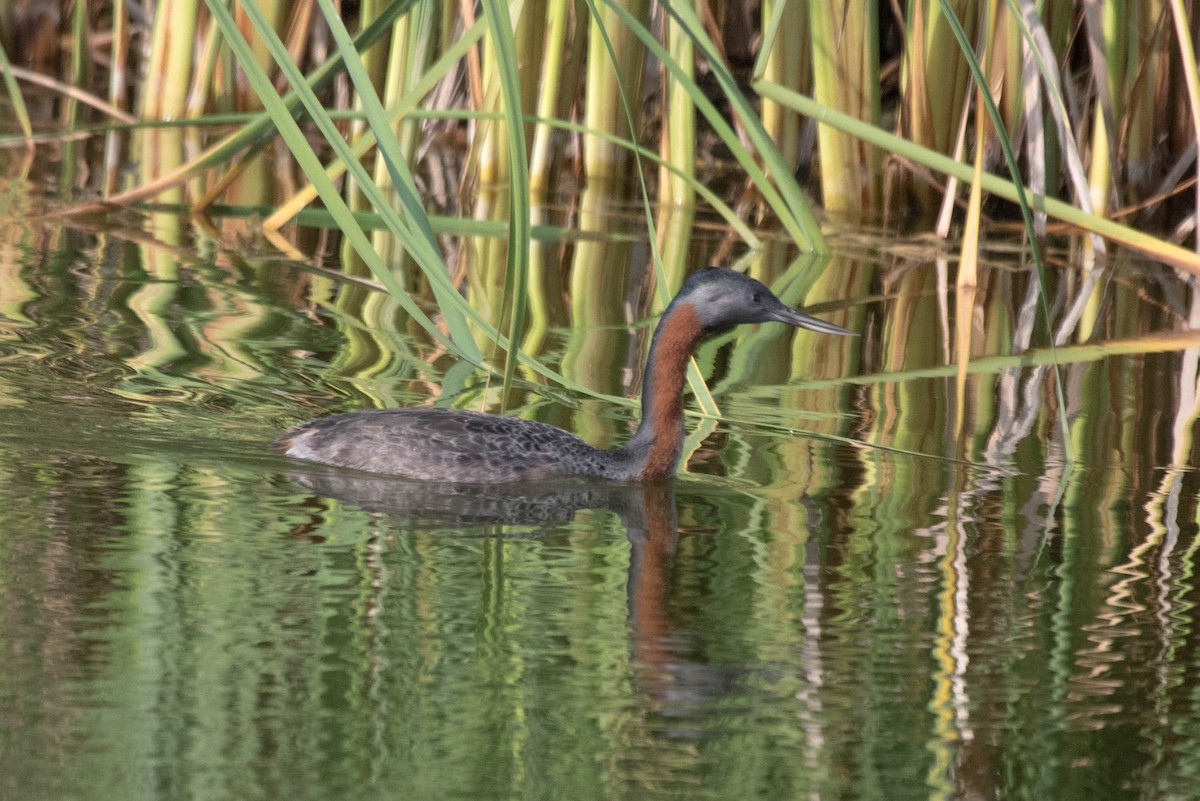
x=473 y=447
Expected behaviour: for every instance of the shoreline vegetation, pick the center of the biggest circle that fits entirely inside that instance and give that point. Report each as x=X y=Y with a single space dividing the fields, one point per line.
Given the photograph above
x=1077 y=117
x=1099 y=106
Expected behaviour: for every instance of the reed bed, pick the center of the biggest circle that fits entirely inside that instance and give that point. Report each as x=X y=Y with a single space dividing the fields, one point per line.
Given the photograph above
x=1099 y=104
x=929 y=113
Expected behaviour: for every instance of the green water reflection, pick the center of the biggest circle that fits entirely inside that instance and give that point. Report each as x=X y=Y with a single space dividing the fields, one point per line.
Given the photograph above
x=185 y=615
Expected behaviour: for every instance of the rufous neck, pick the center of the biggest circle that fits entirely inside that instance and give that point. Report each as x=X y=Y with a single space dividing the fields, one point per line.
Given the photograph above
x=660 y=435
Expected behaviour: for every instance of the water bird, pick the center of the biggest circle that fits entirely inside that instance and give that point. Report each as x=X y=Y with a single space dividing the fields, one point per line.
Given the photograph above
x=436 y=444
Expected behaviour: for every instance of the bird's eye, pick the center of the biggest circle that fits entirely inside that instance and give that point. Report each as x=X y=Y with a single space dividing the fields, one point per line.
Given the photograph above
x=756 y=297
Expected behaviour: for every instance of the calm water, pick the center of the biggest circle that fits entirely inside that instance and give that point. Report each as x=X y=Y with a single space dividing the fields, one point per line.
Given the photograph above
x=843 y=598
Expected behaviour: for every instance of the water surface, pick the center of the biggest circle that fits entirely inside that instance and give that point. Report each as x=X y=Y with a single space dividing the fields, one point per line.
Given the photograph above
x=843 y=597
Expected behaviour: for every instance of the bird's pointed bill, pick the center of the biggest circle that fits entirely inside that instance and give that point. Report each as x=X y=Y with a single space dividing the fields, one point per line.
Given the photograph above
x=785 y=314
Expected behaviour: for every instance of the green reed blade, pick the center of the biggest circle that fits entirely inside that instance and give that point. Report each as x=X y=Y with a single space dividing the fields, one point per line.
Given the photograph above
x=500 y=25
x=413 y=228
x=696 y=382
x=679 y=122
x=1092 y=352
x=281 y=115
x=769 y=32
x=709 y=196
x=262 y=126
x=798 y=217
x=17 y=99
x=403 y=107
x=1145 y=243
x=783 y=194
x=415 y=221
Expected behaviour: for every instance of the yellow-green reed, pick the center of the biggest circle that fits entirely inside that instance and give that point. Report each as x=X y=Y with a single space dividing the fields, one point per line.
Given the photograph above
x=418 y=235
x=1006 y=68
x=679 y=124
x=213 y=81
x=71 y=111
x=774 y=180
x=402 y=67
x=558 y=69
x=966 y=276
x=934 y=82
x=845 y=55
x=1149 y=244
x=490 y=143
x=1107 y=49
x=117 y=85
x=172 y=48
x=966 y=279
x=173 y=82
x=404 y=106
x=256 y=132
x=376 y=61
x=498 y=268
x=559 y=72
x=414 y=231
x=1125 y=87
x=785 y=60
x=614 y=67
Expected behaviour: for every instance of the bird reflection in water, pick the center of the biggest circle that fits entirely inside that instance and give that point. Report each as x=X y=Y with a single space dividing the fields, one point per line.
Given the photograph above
x=646 y=511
